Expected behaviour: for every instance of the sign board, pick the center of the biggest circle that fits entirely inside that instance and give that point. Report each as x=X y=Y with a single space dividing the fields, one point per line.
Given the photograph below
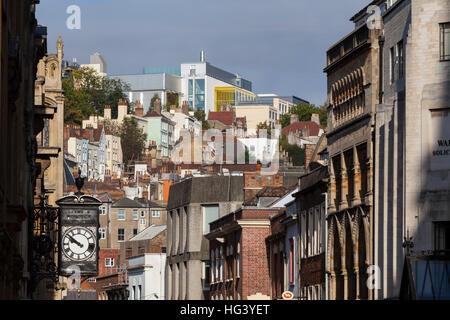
x=440 y=139
x=78 y=236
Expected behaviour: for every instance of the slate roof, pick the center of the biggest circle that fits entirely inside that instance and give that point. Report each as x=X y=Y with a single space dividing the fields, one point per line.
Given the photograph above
x=269 y=192
x=148 y=203
x=149 y=232
x=104 y=197
x=127 y=203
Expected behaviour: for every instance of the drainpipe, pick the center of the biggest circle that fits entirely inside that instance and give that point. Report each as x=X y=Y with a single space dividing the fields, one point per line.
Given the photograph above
x=380 y=84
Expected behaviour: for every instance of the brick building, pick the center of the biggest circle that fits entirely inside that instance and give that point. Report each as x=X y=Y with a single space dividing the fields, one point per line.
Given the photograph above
x=240 y=260
x=275 y=244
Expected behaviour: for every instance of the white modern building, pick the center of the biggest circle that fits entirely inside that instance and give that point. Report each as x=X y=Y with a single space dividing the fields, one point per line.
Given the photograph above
x=98 y=64
x=146 y=276
x=201 y=84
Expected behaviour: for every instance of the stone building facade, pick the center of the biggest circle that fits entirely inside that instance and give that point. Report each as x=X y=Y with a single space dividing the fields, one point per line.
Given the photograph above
x=412 y=127
x=49 y=96
x=22 y=45
x=353 y=77
x=193 y=204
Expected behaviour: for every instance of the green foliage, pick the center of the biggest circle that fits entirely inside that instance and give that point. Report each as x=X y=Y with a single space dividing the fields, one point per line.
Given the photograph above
x=296 y=153
x=172 y=100
x=133 y=140
x=87 y=93
x=304 y=112
x=152 y=102
x=201 y=116
x=264 y=126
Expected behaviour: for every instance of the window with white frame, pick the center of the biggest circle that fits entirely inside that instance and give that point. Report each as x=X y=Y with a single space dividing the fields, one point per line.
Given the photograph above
x=217 y=265
x=142 y=214
x=109 y=262
x=121 y=214
x=102 y=233
x=142 y=222
x=213 y=264
x=102 y=210
x=135 y=214
x=304 y=238
x=317 y=220
x=121 y=235
x=221 y=264
x=155 y=214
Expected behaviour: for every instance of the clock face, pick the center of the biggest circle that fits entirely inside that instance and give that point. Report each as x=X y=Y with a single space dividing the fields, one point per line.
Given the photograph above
x=78 y=243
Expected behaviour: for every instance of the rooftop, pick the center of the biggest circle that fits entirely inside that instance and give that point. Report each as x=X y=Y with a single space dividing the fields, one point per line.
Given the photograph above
x=149 y=232
x=226 y=117
x=312 y=127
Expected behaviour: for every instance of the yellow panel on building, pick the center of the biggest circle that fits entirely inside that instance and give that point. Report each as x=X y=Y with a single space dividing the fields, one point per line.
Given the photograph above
x=229 y=96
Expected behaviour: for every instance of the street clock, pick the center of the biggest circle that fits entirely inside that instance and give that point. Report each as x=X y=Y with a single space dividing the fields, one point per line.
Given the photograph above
x=79 y=243
x=78 y=235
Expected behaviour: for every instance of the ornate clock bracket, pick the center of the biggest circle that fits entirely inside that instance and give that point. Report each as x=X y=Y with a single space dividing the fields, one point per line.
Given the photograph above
x=43 y=228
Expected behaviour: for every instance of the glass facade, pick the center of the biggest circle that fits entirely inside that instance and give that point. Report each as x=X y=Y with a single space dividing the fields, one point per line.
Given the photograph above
x=200 y=94
x=210 y=214
x=191 y=93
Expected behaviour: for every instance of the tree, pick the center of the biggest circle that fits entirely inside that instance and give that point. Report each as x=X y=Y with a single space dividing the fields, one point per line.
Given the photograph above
x=86 y=93
x=296 y=153
x=304 y=111
x=201 y=116
x=133 y=140
x=152 y=102
x=264 y=126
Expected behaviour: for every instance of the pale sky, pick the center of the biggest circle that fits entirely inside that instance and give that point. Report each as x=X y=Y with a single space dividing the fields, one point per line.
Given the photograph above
x=279 y=45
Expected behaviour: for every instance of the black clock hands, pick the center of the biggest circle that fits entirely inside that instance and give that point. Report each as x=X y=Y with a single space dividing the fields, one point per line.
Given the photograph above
x=72 y=239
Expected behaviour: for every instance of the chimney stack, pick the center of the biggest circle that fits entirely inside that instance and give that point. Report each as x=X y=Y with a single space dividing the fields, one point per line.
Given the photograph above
x=138 y=110
x=309 y=151
x=122 y=110
x=185 y=108
x=107 y=112
x=202 y=56
x=315 y=118
x=294 y=118
x=157 y=106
